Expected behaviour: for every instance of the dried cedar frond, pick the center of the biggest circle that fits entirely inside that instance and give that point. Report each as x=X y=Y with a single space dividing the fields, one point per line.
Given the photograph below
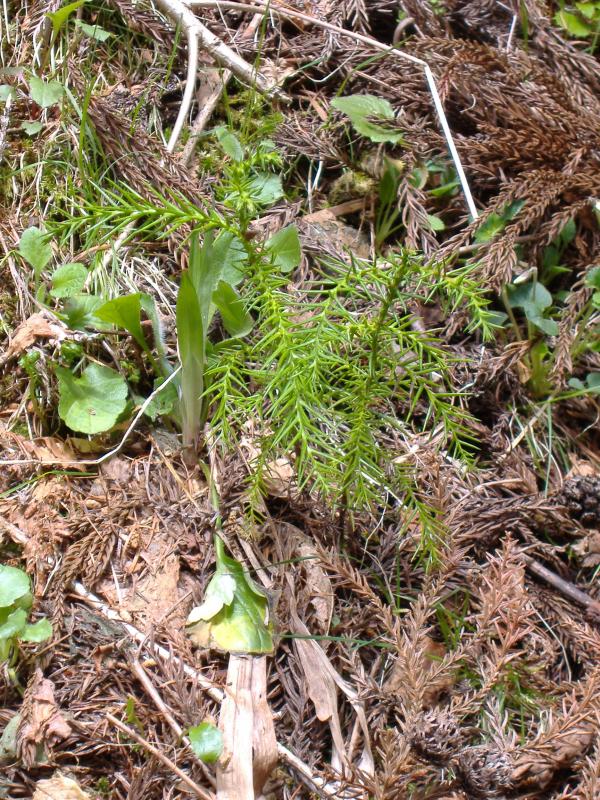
x=566 y=737
x=437 y=736
x=485 y=771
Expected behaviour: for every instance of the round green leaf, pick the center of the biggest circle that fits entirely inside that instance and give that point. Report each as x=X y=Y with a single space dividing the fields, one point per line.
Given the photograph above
x=34 y=248
x=45 y=94
x=206 y=741
x=68 y=280
x=14 y=583
x=285 y=248
x=92 y=403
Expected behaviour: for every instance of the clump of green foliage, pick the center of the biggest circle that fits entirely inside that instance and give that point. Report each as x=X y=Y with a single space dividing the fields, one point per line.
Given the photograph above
x=15 y=602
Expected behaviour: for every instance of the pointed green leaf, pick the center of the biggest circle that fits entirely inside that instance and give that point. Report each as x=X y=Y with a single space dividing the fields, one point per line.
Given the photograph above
x=92 y=403
x=38 y=632
x=547 y=326
x=79 y=312
x=230 y=143
x=285 y=248
x=236 y=319
x=125 y=312
x=14 y=583
x=61 y=15
x=6 y=91
x=35 y=249
x=266 y=189
x=45 y=94
x=206 y=741
x=219 y=592
x=93 y=31
x=229 y=251
x=68 y=280
x=205 y=273
x=573 y=24
x=190 y=342
x=368 y=115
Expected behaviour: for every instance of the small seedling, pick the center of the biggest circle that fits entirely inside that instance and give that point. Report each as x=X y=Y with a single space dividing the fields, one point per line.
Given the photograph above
x=15 y=602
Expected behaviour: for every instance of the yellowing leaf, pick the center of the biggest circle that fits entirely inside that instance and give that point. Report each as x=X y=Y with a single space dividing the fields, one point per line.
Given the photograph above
x=234 y=615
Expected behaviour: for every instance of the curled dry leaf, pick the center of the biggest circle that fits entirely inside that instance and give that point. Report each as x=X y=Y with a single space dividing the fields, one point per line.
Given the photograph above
x=58 y=787
x=38 y=326
x=42 y=724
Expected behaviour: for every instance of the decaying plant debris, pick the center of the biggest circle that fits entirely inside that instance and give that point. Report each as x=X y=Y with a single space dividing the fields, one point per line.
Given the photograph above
x=439 y=640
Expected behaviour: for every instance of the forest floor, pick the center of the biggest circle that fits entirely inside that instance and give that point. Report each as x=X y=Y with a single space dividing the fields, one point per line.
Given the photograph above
x=300 y=314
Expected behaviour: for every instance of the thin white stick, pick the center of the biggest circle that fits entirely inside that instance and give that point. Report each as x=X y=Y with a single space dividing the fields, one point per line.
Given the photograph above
x=511 y=33
x=258 y=5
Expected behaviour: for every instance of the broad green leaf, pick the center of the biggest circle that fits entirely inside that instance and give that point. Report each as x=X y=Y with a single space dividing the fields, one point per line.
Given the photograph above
x=496 y=222
x=61 y=15
x=164 y=402
x=8 y=740
x=357 y=106
x=92 y=403
x=31 y=128
x=436 y=223
x=45 y=93
x=568 y=232
x=79 y=312
x=547 y=326
x=229 y=251
x=593 y=381
x=6 y=91
x=593 y=278
x=236 y=319
x=572 y=24
x=14 y=583
x=68 y=280
x=285 y=248
x=529 y=296
x=35 y=249
x=125 y=312
x=190 y=342
x=38 y=632
x=362 y=109
x=206 y=741
x=14 y=624
x=240 y=626
x=230 y=143
x=266 y=189
x=575 y=383
x=93 y=31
